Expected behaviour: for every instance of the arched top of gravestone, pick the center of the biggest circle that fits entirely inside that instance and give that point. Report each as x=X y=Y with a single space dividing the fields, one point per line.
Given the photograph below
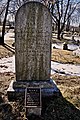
x=33 y=34
x=32 y=2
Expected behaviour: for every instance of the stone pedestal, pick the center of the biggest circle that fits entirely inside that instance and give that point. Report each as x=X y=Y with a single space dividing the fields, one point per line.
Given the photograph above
x=17 y=88
x=16 y=91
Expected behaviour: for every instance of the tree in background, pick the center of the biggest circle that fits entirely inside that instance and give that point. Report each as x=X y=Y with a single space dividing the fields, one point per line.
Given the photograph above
x=8 y=8
x=62 y=11
x=4 y=8
x=4 y=22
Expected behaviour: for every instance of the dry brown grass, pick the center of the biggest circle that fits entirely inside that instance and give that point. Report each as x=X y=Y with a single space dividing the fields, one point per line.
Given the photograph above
x=69 y=87
x=4 y=52
x=64 y=56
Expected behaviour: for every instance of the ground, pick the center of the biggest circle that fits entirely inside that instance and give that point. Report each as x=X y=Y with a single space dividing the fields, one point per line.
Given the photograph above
x=65 y=107
x=65 y=56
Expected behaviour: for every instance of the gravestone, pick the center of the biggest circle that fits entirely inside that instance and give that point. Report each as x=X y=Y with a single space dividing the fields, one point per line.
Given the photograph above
x=33 y=34
x=65 y=46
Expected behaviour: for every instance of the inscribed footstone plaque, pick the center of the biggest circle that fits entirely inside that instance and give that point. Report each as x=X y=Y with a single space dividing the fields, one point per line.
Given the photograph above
x=33 y=97
x=33 y=31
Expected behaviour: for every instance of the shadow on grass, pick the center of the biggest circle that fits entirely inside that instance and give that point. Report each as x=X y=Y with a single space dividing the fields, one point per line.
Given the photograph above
x=6 y=111
x=57 y=108
x=9 y=48
x=60 y=109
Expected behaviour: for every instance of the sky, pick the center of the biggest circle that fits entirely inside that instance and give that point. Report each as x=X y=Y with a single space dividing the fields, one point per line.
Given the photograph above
x=77 y=16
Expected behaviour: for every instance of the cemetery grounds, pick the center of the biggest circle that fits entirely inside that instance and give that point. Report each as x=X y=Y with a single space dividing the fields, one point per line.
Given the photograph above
x=68 y=85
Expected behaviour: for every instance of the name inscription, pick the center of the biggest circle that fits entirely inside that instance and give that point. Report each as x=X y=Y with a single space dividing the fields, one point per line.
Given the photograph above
x=33 y=97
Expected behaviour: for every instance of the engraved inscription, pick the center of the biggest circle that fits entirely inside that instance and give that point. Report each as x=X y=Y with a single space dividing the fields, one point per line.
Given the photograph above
x=33 y=33
x=33 y=97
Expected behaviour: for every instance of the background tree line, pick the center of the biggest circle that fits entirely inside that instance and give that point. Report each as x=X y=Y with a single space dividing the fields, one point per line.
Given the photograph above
x=63 y=12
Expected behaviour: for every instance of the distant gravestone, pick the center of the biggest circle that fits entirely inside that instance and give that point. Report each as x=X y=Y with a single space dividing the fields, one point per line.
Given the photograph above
x=65 y=46
x=33 y=31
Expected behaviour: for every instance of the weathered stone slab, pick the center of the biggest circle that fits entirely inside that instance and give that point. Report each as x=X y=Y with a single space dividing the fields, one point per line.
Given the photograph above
x=33 y=31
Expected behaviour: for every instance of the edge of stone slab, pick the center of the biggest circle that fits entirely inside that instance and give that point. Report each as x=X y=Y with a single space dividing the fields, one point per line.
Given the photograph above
x=34 y=83
x=15 y=92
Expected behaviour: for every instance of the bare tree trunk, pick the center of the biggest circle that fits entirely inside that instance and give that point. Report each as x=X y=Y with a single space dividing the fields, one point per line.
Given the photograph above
x=59 y=32
x=68 y=26
x=4 y=23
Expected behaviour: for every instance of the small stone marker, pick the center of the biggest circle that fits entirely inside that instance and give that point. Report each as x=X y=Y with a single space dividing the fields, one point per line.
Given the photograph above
x=73 y=38
x=65 y=46
x=33 y=99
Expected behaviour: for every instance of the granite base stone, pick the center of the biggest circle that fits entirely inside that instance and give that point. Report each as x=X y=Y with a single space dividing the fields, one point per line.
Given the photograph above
x=17 y=88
